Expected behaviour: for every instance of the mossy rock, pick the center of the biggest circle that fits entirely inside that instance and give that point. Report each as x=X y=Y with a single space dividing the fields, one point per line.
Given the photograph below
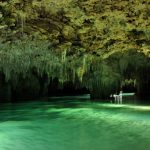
x=68 y=32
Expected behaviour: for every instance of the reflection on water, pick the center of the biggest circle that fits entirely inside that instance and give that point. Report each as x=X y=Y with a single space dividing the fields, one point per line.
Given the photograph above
x=74 y=125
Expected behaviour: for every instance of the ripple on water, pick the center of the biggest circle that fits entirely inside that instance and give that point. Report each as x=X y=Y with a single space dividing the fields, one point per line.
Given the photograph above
x=83 y=126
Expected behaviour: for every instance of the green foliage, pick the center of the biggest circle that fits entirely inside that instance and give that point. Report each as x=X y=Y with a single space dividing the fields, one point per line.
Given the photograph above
x=104 y=27
x=88 y=41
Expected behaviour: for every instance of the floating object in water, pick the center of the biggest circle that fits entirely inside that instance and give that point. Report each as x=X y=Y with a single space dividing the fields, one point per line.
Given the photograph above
x=118 y=97
x=128 y=94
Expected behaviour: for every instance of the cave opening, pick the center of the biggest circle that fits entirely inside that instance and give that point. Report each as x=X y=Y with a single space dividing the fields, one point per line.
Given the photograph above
x=28 y=90
x=68 y=88
x=129 y=86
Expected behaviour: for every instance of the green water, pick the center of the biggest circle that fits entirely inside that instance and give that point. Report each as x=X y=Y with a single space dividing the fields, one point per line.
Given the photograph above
x=74 y=125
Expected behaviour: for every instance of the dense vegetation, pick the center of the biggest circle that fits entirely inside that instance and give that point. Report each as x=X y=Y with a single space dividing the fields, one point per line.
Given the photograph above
x=99 y=44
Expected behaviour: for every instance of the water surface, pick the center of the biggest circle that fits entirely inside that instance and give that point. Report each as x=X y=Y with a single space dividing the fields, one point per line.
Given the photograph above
x=74 y=125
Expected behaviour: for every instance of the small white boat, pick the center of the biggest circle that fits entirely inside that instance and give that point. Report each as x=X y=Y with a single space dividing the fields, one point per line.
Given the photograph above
x=128 y=94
